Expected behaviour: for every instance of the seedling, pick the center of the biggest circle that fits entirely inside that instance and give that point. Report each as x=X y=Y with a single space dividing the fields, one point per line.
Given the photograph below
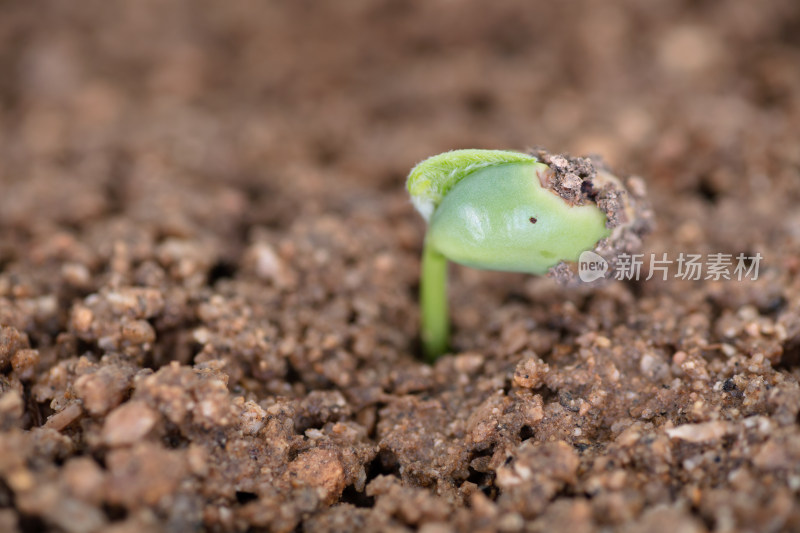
x=509 y=211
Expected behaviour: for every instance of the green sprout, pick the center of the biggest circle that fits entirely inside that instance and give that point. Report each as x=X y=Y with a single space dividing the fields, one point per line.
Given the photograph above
x=502 y=210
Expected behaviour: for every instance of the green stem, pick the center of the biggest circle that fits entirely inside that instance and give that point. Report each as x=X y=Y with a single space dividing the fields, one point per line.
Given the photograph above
x=435 y=330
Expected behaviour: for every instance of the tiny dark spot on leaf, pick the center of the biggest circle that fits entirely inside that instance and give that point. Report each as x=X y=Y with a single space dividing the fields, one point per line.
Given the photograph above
x=533 y=220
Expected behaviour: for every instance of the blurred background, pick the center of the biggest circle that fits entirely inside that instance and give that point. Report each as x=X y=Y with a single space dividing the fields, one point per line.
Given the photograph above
x=259 y=93
x=225 y=120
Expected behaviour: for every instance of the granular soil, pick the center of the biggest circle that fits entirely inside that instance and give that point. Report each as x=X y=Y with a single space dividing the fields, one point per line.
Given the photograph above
x=209 y=266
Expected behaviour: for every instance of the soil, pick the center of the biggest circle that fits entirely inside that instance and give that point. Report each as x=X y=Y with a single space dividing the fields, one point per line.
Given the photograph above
x=209 y=266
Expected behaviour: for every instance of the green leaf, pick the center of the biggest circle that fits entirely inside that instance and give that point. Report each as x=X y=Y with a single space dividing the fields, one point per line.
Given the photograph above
x=433 y=178
x=501 y=218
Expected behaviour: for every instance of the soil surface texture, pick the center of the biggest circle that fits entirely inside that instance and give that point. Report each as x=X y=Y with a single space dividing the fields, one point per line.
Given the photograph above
x=209 y=267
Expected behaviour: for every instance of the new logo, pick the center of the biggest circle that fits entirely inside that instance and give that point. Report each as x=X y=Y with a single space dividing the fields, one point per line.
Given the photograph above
x=591 y=267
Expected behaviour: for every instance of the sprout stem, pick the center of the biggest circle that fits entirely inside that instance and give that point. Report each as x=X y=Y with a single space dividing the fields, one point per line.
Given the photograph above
x=435 y=330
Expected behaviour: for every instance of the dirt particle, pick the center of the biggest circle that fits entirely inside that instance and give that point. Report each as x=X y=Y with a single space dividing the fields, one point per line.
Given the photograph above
x=128 y=423
x=319 y=469
x=530 y=372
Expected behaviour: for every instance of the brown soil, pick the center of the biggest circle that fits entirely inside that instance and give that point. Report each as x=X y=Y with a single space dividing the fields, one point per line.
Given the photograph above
x=209 y=264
